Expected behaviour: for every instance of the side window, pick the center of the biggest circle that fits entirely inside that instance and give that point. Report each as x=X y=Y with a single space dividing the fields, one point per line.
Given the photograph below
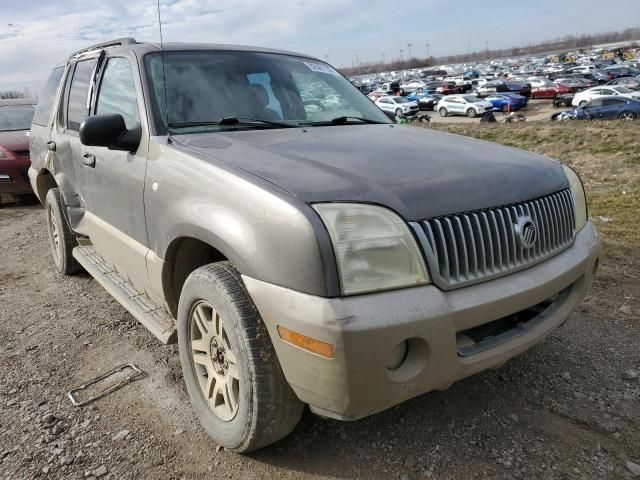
x=117 y=92
x=77 y=109
x=596 y=103
x=47 y=96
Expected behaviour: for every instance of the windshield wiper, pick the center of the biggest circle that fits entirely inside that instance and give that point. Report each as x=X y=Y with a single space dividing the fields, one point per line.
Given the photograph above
x=345 y=119
x=230 y=121
x=253 y=121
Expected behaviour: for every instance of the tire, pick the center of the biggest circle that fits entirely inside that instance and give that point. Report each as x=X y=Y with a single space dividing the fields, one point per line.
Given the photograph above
x=62 y=240
x=505 y=108
x=398 y=112
x=627 y=115
x=266 y=408
x=471 y=113
x=443 y=112
x=583 y=102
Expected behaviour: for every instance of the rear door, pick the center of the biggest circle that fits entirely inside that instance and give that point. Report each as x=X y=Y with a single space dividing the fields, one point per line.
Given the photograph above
x=66 y=160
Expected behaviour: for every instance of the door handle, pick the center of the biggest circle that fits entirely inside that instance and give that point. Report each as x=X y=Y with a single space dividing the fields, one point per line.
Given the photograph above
x=51 y=146
x=89 y=160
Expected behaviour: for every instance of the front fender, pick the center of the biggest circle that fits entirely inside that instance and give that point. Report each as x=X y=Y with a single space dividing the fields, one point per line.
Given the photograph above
x=265 y=232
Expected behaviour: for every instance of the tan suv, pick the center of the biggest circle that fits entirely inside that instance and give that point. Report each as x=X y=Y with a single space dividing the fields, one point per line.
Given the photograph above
x=258 y=209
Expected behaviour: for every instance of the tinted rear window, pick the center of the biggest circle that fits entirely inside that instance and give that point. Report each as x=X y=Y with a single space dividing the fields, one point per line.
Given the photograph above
x=47 y=96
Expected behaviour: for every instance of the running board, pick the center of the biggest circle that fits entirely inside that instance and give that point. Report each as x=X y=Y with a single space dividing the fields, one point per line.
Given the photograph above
x=153 y=317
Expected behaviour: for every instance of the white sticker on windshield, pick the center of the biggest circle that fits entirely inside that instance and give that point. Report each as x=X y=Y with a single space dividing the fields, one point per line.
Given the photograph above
x=321 y=68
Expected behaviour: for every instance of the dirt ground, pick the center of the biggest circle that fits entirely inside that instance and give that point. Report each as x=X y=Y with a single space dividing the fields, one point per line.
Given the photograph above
x=567 y=409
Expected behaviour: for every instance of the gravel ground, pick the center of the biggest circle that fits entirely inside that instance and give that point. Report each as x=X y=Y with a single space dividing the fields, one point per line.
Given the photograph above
x=568 y=408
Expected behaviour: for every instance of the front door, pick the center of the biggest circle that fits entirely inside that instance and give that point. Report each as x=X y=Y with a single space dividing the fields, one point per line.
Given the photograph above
x=113 y=180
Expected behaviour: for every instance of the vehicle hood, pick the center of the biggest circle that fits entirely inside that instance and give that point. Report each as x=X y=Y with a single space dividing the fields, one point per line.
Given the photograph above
x=15 y=140
x=419 y=173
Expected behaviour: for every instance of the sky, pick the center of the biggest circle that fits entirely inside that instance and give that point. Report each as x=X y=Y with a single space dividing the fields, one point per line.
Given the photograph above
x=37 y=34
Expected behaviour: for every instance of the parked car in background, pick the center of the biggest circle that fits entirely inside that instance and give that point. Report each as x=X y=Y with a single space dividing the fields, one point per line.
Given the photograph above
x=523 y=89
x=630 y=82
x=468 y=105
x=398 y=105
x=563 y=100
x=448 y=88
x=504 y=102
x=15 y=122
x=602 y=91
x=491 y=87
x=609 y=108
x=429 y=101
x=413 y=84
x=378 y=94
x=603 y=108
x=552 y=90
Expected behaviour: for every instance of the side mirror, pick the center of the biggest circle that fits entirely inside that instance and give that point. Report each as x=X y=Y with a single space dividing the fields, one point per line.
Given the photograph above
x=110 y=131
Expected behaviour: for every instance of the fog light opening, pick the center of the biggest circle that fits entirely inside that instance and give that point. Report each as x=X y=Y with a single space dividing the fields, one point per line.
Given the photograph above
x=398 y=356
x=407 y=359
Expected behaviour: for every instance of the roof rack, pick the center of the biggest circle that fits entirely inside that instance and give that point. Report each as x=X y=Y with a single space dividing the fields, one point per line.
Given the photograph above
x=118 y=42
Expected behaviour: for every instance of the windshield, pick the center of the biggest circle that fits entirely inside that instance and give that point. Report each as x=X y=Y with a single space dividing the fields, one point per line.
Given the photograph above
x=472 y=99
x=203 y=87
x=400 y=100
x=16 y=117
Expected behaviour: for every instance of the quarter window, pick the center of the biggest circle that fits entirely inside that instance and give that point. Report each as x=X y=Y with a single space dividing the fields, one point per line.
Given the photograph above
x=117 y=92
x=45 y=102
x=77 y=109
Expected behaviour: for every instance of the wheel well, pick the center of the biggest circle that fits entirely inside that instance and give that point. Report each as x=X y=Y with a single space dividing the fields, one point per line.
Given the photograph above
x=44 y=183
x=184 y=255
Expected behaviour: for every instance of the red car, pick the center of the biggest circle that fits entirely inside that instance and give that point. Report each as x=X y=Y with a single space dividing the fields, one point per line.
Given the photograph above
x=552 y=90
x=15 y=123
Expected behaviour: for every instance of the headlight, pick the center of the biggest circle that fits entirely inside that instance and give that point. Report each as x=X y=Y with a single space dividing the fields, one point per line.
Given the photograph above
x=579 y=198
x=374 y=248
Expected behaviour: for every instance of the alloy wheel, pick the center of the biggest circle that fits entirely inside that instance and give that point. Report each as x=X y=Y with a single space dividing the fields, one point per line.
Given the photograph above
x=214 y=361
x=55 y=235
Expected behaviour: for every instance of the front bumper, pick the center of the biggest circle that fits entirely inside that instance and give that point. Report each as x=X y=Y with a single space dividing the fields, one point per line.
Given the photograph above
x=364 y=330
x=13 y=175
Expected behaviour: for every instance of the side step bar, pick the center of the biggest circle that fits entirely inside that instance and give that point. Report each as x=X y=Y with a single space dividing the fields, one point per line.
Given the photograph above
x=153 y=317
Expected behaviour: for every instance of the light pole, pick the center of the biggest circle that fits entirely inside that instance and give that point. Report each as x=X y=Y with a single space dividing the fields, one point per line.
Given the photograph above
x=409 y=51
x=427 y=45
x=383 y=58
x=486 y=44
x=401 y=52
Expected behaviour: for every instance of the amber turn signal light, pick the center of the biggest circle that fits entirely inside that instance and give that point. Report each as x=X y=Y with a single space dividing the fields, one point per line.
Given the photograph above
x=314 y=346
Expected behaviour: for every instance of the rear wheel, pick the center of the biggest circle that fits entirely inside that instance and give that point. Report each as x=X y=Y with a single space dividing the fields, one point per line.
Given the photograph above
x=582 y=103
x=62 y=240
x=443 y=112
x=230 y=367
x=471 y=113
x=398 y=112
x=627 y=116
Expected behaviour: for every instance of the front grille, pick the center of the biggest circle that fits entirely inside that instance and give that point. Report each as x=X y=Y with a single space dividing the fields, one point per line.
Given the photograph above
x=471 y=247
